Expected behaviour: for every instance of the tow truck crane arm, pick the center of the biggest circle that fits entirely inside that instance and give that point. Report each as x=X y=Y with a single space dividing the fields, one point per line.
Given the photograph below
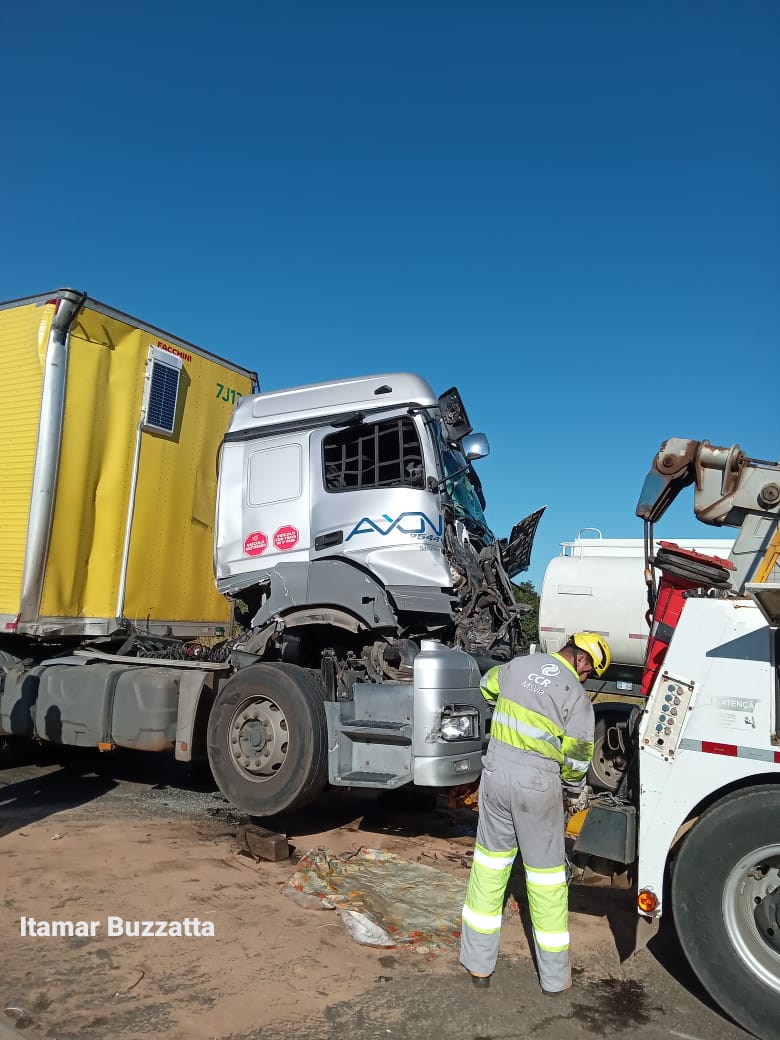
x=731 y=489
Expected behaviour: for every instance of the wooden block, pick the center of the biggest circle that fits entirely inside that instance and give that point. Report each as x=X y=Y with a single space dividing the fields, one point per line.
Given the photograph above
x=261 y=843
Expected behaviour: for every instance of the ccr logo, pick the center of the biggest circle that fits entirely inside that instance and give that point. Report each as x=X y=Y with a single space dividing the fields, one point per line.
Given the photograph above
x=550 y=669
x=539 y=680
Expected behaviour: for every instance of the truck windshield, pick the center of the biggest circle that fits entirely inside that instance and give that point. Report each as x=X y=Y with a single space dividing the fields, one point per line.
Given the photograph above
x=462 y=491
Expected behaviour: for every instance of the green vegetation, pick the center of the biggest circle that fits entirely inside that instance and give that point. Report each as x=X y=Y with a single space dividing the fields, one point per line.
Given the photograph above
x=529 y=623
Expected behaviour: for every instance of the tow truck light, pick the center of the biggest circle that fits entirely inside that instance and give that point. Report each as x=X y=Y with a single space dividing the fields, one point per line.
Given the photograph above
x=647 y=901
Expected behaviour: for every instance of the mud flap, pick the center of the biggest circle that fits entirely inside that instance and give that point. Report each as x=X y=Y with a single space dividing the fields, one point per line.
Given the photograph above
x=646 y=930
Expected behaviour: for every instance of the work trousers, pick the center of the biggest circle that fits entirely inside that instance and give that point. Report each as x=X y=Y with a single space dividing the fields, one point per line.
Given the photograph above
x=520 y=804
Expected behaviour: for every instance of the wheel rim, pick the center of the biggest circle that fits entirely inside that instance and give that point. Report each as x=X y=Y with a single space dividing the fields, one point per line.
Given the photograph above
x=607 y=768
x=750 y=881
x=259 y=738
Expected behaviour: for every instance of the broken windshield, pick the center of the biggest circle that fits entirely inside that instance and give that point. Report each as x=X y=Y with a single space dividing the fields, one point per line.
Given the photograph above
x=461 y=489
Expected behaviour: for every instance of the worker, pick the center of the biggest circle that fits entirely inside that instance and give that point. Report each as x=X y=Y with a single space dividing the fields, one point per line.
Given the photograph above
x=541 y=737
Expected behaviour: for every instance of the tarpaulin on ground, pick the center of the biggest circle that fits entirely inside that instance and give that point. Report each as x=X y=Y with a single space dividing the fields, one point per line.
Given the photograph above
x=382 y=899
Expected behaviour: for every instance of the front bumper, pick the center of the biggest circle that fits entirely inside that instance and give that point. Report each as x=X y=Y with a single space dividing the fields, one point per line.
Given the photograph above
x=446 y=770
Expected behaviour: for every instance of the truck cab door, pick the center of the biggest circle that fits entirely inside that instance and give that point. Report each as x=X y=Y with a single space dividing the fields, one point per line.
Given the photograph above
x=263 y=505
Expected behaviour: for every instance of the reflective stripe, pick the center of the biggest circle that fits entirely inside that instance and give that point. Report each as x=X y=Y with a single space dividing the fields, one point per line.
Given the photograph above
x=530 y=717
x=577 y=748
x=539 y=877
x=577 y=758
x=548 y=901
x=572 y=776
x=573 y=763
x=510 y=737
x=552 y=942
x=482 y=922
x=487 y=883
x=521 y=727
x=494 y=860
x=526 y=730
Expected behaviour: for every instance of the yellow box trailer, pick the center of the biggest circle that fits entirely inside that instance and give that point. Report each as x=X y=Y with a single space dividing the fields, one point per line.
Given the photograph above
x=111 y=431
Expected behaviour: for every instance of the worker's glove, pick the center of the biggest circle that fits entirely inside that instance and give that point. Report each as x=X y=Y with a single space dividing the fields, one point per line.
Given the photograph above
x=575 y=799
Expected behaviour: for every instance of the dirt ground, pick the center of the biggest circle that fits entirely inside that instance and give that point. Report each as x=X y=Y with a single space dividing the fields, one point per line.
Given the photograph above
x=269 y=963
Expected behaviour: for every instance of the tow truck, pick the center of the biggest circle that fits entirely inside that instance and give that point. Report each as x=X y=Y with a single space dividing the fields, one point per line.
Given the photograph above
x=696 y=813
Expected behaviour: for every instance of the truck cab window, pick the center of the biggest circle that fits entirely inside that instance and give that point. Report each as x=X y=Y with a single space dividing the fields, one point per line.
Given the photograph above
x=374 y=455
x=461 y=490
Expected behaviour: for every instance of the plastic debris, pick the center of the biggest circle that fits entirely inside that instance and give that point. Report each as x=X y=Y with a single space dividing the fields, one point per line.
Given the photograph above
x=382 y=899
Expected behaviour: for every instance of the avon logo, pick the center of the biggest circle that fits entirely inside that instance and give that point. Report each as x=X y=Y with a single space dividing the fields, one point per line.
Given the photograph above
x=414 y=524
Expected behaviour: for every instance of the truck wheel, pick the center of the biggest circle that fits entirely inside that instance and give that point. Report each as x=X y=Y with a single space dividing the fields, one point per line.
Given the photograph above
x=608 y=765
x=726 y=904
x=267 y=739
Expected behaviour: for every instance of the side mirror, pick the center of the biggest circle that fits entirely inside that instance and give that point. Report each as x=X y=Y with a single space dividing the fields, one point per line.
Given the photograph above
x=475 y=446
x=453 y=415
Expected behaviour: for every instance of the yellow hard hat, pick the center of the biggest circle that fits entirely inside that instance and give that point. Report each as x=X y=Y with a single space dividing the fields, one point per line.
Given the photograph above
x=598 y=648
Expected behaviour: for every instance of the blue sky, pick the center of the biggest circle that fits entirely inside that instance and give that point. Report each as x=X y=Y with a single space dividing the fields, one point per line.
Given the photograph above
x=569 y=210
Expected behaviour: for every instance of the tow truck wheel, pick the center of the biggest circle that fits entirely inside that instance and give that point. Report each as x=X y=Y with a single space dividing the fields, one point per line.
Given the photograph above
x=609 y=762
x=726 y=904
x=267 y=739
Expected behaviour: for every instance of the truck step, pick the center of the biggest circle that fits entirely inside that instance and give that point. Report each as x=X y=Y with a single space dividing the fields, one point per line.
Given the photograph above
x=373 y=729
x=360 y=778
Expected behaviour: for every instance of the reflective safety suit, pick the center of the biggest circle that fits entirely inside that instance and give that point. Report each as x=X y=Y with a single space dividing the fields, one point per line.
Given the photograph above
x=541 y=735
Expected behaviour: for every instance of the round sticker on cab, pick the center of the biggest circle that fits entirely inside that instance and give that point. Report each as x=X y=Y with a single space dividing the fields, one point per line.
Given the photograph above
x=286 y=538
x=255 y=543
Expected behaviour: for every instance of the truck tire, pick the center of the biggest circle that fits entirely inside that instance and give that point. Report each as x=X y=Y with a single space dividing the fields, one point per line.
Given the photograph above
x=267 y=739
x=681 y=566
x=727 y=921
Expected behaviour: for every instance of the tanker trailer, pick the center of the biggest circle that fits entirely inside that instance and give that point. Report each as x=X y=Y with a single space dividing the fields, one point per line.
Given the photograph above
x=598 y=584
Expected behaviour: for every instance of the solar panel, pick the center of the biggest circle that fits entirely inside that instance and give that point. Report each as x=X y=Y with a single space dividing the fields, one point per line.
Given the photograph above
x=161 y=391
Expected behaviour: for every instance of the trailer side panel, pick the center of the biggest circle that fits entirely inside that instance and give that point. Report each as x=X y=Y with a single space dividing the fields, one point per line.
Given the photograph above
x=24 y=333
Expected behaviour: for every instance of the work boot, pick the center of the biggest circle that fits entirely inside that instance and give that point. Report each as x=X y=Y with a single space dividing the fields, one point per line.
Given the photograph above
x=480 y=981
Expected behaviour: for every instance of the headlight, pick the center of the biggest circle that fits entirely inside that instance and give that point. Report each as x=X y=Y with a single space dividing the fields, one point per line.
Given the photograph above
x=459 y=722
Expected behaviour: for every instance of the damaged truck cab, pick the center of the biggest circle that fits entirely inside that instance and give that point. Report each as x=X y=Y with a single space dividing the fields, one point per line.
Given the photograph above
x=351 y=533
